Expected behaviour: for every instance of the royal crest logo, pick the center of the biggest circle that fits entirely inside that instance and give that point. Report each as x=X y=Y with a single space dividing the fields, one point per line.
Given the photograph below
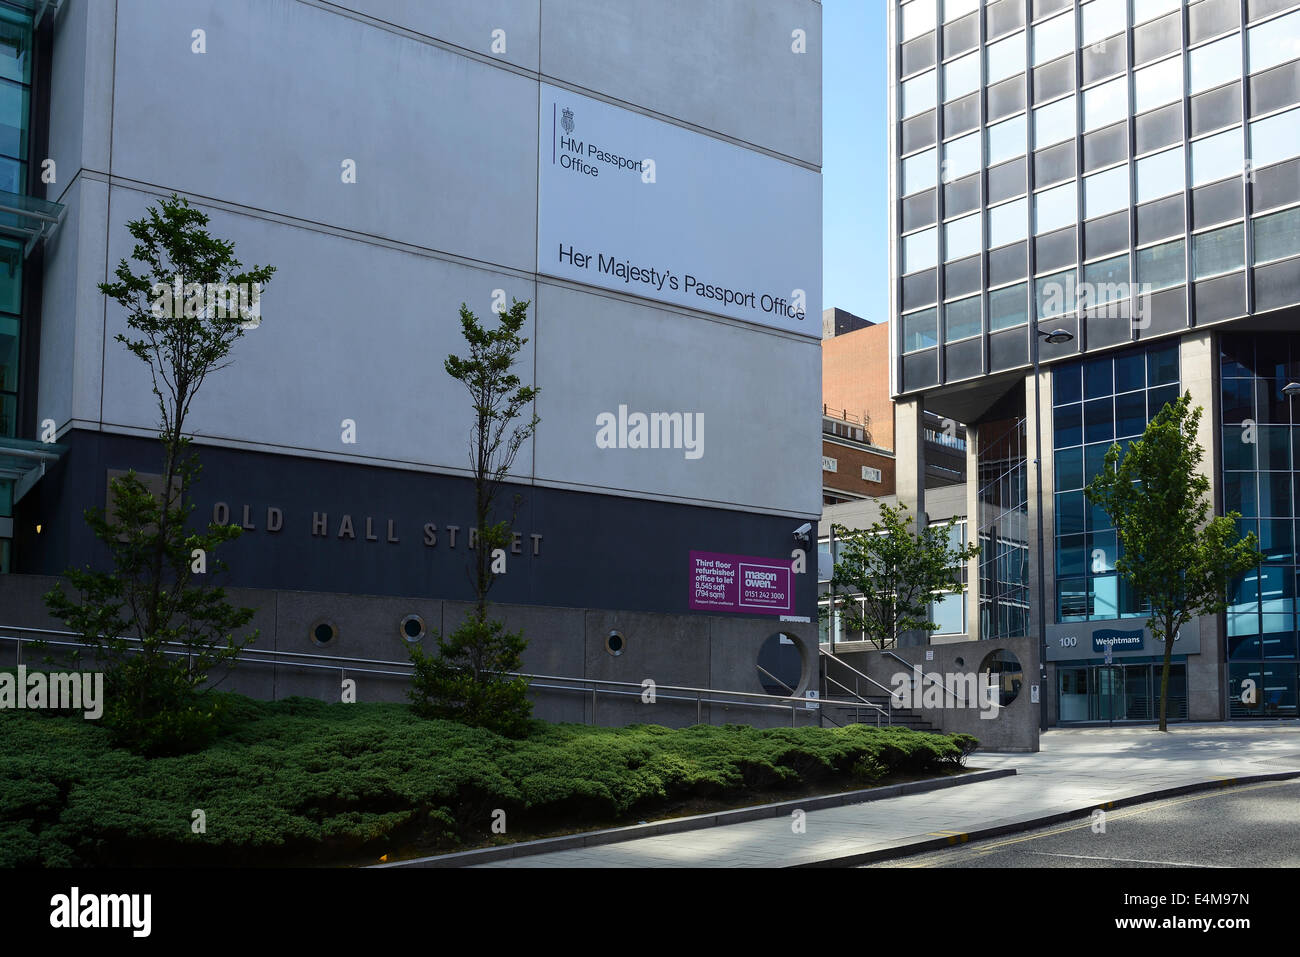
x=566 y=120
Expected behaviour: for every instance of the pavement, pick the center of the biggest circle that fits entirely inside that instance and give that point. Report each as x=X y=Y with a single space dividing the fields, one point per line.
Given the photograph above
x=1076 y=770
x=1252 y=825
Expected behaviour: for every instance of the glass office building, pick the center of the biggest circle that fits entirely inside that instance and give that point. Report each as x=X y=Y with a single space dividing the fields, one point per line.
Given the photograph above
x=1123 y=177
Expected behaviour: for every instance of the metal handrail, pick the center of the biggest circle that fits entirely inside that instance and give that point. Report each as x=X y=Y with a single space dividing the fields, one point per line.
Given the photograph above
x=912 y=667
x=841 y=661
x=715 y=695
x=860 y=700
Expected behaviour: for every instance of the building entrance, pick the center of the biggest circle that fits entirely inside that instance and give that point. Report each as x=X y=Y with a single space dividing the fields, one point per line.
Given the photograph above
x=1120 y=692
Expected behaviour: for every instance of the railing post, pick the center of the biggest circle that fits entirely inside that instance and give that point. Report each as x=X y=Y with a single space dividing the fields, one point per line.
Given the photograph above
x=593 y=705
x=698 y=719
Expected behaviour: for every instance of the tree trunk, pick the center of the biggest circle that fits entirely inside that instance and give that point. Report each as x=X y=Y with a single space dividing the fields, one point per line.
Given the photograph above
x=1164 y=675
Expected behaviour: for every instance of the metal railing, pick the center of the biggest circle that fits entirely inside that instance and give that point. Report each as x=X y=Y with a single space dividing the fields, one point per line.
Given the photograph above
x=346 y=664
x=913 y=668
x=887 y=712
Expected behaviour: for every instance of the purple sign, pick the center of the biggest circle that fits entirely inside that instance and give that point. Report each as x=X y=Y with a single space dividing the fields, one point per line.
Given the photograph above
x=741 y=583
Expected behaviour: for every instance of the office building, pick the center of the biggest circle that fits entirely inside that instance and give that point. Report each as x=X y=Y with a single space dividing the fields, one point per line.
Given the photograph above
x=1107 y=192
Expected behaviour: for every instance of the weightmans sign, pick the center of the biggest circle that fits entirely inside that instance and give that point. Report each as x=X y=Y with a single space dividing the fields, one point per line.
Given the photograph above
x=637 y=205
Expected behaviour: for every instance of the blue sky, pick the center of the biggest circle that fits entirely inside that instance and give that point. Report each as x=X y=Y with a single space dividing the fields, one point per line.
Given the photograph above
x=855 y=179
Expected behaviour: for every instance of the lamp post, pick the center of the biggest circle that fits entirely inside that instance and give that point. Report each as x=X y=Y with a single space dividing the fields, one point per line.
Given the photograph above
x=1055 y=337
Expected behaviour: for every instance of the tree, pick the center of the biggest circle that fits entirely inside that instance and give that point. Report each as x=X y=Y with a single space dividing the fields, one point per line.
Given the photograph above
x=468 y=678
x=1170 y=554
x=184 y=312
x=886 y=576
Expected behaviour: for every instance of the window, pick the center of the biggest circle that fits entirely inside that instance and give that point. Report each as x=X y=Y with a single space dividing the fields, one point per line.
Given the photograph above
x=1157 y=85
x=1006 y=140
x=961 y=157
x=961 y=319
x=1277 y=236
x=955 y=9
x=1008 y=307
x=961 y=238
x=921 y=172
x=1053 y=38
x=961 y=76
x=921 y=250
x=1102 y=19
x=1105 y=192
x=1220 y=251
x=918 y=18
x=1006 y=57
x=1106 y=281
x=1009 y=223
x=1273 y=139
x=1144 y=10
x=920 y=330
x=919 y=94
x=1054 y=122
x=1105 y=104
x=1274 y=42
x=1161 y=174
x=1217 y=157
x=1057 y=294
x=1216 y=63
x=1055 y=208
x=1162 y=266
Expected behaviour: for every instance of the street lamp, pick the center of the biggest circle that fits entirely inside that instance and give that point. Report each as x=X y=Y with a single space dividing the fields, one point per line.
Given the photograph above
x=1055 y=337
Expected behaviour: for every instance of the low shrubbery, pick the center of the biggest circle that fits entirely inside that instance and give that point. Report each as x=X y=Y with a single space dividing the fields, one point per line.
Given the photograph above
x=300 y=781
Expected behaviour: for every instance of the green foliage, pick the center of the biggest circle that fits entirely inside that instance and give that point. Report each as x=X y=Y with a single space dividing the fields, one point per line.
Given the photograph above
x=1173 y=553
x=301 y=781
x=467 y=680
x=159 y=586
x=887 y=575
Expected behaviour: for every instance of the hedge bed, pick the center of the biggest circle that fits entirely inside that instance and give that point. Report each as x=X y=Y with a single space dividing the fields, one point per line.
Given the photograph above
x=300 y=781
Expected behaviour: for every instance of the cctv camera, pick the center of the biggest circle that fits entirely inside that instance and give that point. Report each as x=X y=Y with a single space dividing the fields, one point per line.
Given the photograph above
x=803 y=530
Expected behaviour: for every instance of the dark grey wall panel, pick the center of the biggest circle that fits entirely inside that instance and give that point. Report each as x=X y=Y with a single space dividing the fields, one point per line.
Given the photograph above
x=1006 y=98
x=921 y=289
x=1217 y=203
x=1008 y=264
x=1277 y=185
x=1168 y=312
x=1055 y=249
x=1159 y=37
x=1277 y=285
x=961 y=115
x=1054 y=79
x=1054 y=164
x=1160 y=220
x=1007 y=180
x=1162 y=127
x=920 y=370
x=1106 y=235
x=961 y=35
x=964 y=359
x=1216 y=109
x=1008 y=349
x=1105 y=147
x=598 y=551
x=961 y=196
x=918 y=54
x=961 y=277
x=919 y=132
x=1275 y=88
x=1223 y=297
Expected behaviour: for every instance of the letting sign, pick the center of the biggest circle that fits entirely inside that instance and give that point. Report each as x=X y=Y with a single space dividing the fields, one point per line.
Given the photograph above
x=741 y=583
